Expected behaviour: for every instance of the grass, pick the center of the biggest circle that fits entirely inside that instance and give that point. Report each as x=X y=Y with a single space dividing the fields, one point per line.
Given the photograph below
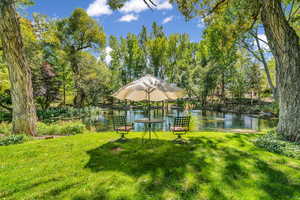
x=214 y=166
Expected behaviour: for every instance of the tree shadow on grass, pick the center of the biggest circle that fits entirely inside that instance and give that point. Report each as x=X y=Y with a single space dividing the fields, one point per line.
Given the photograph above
x=164 y=163
x=167 y=167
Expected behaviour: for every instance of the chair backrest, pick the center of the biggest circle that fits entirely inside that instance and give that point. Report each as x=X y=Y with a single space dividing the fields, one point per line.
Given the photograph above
x=182 y=121
x=119 y=121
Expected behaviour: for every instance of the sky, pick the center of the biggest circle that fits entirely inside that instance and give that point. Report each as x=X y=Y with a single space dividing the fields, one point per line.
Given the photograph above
x=130 y=18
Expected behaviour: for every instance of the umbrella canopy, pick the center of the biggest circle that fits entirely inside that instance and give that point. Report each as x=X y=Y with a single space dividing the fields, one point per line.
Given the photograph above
x=149 y=88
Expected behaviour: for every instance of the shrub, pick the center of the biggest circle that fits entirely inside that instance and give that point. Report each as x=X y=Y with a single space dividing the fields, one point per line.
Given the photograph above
x=271 y=108
x=5 y=128
x=51 y=114
x=61 y=128
x=73 y=128
x=275 y=143
x=12 y=139
x=5 y=116
x=194 y=123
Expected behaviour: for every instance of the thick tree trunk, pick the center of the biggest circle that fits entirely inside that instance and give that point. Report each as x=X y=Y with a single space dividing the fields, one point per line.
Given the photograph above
x=24 y=113
x=285 y=47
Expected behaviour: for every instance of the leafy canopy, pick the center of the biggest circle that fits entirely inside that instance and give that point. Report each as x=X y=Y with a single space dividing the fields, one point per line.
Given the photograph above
x=80 y=31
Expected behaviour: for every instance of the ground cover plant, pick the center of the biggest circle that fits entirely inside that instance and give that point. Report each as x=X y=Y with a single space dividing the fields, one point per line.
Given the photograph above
x=274 y=142
x=214 y=165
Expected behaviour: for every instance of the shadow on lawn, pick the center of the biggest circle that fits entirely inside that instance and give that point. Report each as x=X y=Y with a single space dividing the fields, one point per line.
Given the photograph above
x=170 y=168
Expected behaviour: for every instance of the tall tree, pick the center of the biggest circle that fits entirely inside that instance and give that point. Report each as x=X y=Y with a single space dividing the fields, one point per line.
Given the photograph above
x=46 y=82
x=24 y=113
x=254 y=44
x=77 y=33
x=115 y=64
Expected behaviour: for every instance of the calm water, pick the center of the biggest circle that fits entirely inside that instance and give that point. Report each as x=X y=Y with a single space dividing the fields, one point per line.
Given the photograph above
x=200 y=120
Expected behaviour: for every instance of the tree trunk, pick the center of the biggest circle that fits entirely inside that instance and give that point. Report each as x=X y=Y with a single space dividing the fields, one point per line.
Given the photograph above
x=24 y=113
x=266 y=67
x=80 y=93
x=285 y=47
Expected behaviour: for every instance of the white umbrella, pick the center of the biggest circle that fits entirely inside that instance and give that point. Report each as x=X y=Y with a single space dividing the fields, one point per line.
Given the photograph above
x=149 y=88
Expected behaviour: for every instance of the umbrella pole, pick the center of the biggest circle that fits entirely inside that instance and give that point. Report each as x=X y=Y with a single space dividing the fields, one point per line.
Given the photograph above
x=149 y=115
x=149 y=108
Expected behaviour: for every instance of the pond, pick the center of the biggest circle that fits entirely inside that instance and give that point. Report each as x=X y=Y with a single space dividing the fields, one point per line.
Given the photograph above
x=200 y=119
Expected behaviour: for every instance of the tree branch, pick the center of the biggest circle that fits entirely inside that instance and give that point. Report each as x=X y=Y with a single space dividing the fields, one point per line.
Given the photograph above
x=291 y=10
x=148 y=5
x=246 y=46
x=217 y=6
x=83 y=47
x=296 y=10
x=256 y=37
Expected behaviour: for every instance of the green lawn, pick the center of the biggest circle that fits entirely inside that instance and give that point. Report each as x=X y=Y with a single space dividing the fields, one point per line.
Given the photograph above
x=214 y=166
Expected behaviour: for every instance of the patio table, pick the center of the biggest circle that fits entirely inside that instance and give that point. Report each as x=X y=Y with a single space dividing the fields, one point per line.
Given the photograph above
x=148 y=125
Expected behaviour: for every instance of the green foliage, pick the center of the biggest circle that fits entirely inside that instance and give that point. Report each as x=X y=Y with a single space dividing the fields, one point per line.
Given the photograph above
x=51 y=114
x=274 y=142
x=61 y=128
x=5 y=116
x=95 y=79
x=55 y=128
x=5 y=128
x=11 y=139
x=79 y=32
x=271 y=108
x=194 y=124
x=46 y=82
x=5 y=98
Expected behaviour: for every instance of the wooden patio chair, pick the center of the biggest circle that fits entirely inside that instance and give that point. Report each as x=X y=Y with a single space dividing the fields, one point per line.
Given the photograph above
x=121 y=126
x=181 y=126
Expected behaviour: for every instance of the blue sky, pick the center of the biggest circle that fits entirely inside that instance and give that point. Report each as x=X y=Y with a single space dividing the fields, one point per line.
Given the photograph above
x=129 y=19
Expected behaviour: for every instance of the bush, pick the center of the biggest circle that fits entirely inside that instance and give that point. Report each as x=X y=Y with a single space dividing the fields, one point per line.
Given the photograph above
x=275 y=143
x=12 y=139
x=5 y=128
x=58 y=128
x=5 y=116
x=51 y=114
x=194 y=123
x=55 y=114
x=61 y=128
x=271 y=108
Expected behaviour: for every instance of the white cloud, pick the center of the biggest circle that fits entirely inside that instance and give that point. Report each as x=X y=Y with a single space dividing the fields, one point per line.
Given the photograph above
x=108 y=56
x=134 y=6
x=128 y=18
x=138 y=6
x=168 y=19
x=98 y=8
x=164 y=6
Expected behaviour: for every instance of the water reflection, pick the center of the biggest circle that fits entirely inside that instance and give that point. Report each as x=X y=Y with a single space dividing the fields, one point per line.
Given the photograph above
x=200 y=120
